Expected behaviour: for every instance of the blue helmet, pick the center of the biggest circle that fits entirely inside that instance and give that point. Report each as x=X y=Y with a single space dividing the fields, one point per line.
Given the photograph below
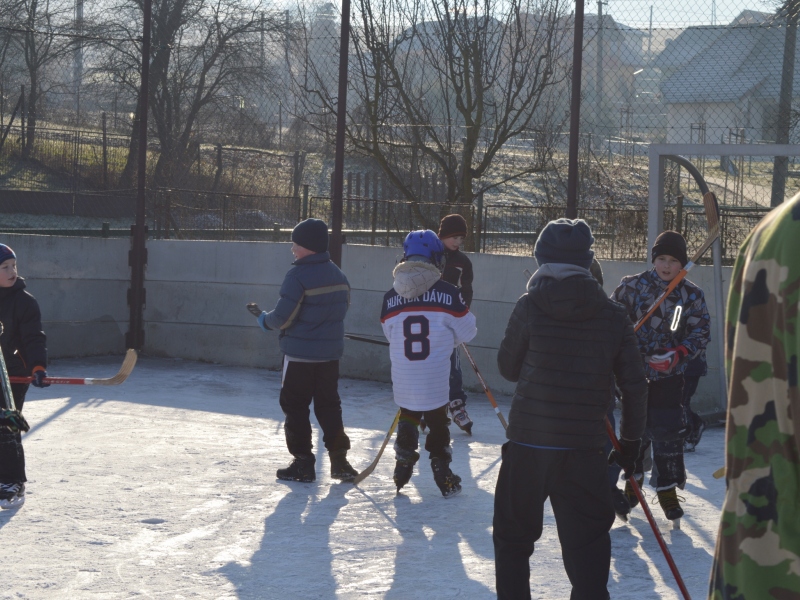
x=425 y=243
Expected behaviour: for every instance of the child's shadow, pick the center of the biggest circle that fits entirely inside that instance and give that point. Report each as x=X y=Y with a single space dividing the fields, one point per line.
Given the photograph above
x=298 y=532
x=429 y=556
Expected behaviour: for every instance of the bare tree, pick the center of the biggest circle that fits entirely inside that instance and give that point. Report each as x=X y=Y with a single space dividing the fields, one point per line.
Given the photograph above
x=438 y=89
x=39 y=28
x=205 y=59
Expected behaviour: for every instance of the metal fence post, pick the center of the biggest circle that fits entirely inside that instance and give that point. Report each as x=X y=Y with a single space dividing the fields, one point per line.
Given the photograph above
x=478 y=223
x=305 y=202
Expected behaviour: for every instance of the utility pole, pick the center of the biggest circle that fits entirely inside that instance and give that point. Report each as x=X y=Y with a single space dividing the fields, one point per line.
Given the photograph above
x=780 y=169
x=341 y=117
x=77 y=60
x=137 y=258
x=600 y=118
x=575 y=113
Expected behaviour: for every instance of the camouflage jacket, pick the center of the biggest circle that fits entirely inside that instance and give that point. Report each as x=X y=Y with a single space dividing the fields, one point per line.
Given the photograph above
x=758 y=544
x=682 y=319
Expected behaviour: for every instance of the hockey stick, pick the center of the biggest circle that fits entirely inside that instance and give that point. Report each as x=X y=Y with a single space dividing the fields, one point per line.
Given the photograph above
x=366 y=472
x=485 y=387
x=638 y=491
x=712 y=215
x=359 y=338
x=719 y=473
x=10 y=417
x=124 y=371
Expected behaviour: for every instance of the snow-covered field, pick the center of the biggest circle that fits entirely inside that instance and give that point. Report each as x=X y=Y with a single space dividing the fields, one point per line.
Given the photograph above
x=164 y=487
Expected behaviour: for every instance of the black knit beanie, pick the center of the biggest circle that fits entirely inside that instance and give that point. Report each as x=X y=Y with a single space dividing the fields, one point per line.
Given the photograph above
x=452 y=226
x=311 y=234
x=672 y=244
x=565 y=241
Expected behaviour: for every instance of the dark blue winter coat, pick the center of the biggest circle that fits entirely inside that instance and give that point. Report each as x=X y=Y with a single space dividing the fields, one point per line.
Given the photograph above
x=315 y=296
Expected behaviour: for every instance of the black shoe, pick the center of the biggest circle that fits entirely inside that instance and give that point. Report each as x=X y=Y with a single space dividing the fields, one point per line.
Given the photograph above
x=670 y=503
x=633 y=501
x=301 y=469
x=340 y=468
x=448 y=482
x=403 y=469
x=621 y=505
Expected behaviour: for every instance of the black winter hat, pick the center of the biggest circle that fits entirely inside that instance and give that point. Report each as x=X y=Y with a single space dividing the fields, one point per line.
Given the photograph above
x=6 y=253
x=672 y=244
x=565 y=241
x=311 y=234
x=451 y=226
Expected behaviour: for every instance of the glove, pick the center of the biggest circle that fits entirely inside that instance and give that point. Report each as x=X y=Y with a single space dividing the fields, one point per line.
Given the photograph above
x=262 y=321
x=38 y=377
x=665 y=360
x=626 y=456
x=254 y=309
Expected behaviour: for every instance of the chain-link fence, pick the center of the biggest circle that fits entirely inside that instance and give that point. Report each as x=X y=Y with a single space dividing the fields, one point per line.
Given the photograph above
x=448 y=103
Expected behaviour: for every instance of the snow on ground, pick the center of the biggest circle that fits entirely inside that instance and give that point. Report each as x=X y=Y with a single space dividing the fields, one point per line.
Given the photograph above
x=164 y=487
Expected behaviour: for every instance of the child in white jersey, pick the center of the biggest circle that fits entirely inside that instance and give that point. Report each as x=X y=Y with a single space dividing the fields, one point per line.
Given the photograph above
x=424 y=319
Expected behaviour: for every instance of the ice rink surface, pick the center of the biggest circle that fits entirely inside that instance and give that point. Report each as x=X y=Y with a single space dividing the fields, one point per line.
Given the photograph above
x=164 y=487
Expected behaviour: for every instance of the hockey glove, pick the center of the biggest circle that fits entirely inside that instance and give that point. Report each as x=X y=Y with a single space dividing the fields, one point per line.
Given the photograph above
x=667 y=359
x=626 y=456
x=38 y=377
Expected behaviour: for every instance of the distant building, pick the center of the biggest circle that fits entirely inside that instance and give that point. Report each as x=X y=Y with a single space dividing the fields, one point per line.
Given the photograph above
x=723 y=80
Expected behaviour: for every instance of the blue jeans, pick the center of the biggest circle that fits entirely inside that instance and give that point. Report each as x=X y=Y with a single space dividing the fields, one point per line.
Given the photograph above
x=456 y=379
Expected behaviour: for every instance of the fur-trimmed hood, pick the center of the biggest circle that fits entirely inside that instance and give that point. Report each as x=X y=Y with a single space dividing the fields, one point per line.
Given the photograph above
x=412 y=279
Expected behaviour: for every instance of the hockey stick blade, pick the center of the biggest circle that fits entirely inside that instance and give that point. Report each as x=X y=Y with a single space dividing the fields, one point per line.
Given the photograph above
x=366 y=472
x=123 y=373
x=719 y=473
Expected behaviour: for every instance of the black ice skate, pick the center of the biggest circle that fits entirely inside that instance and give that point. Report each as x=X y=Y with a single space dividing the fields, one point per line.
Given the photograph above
x=698 y=426
x=301 y=469
x=668 y=499
x=449 y=483
x=633 y=501
x=459 y=411
x=403 y=469
x=12 y=495
x=621 y=505
x=340 y=468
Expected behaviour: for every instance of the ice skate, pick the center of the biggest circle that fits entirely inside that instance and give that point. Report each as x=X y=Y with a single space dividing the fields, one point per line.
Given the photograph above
x=670 y=503
x=403 y=469
x=633 y=501
x=301 y=469
x=12 y=495
x=691 y=440
x=340 y=468
x=621 y=506
x=459 y=411
x=449 y=483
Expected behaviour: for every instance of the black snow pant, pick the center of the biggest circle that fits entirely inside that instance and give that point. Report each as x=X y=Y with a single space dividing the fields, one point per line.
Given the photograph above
x=437 y=442
x=665 y=431
x=576 y=482
x=302 y=383
x=12 y=456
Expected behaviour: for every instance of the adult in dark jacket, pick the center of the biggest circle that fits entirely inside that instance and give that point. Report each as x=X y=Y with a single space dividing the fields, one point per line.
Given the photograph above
x=565 y=344
x=24 y=348
x=314 y=299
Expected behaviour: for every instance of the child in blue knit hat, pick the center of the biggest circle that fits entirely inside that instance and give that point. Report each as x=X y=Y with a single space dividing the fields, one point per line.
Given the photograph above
x=25 y=352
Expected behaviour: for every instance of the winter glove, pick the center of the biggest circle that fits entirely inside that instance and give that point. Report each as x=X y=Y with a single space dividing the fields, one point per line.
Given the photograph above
x=254 y=309
x=665 y=359
x=626 y=456
x=38 y=377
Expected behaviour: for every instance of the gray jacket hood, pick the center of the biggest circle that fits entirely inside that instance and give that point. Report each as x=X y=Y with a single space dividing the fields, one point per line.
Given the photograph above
x=412 y=279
